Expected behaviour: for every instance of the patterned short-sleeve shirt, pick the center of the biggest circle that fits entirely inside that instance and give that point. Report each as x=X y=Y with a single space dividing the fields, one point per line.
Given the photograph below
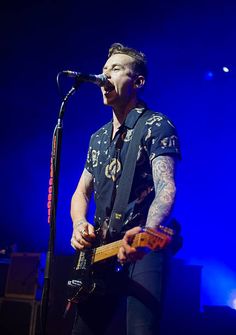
x=106 y=158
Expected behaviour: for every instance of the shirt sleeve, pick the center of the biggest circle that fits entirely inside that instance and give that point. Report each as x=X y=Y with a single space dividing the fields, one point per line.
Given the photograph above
x=88 y=163
x=161 y=137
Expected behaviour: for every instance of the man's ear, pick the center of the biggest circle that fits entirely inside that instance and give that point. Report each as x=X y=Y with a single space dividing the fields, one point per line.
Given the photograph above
x=139 y=81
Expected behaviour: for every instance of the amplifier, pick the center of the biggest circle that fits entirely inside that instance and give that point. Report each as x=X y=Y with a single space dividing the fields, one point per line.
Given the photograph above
x=4 y=265
x=25 y=276
x=19 y=317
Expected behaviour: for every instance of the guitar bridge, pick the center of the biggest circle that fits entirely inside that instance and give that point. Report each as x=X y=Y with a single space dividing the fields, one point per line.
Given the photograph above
x=85 y=259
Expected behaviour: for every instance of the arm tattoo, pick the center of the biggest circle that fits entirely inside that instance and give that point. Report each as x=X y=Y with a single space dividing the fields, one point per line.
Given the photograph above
x=84 y=189
x=88 y=183
x=81 y=197
x=163 y=177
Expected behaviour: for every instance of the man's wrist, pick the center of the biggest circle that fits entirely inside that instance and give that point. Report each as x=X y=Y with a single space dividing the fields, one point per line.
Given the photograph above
x=77 y=223
x=152 y=226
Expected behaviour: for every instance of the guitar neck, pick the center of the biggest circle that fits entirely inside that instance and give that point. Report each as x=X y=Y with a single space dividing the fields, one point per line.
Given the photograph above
x=150 y=239
x=106 y=251
x=109 y=250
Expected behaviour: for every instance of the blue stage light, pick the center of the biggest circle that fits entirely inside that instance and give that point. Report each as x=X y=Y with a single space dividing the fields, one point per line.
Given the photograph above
x=234 y=303
x=225 y=69
x=209 y=75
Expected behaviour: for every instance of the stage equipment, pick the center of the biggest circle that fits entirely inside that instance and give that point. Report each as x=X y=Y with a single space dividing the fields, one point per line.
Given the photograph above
x=25 y=276
x=98 y=79
x=19 y=316
x=4 y=265
x=53 y=191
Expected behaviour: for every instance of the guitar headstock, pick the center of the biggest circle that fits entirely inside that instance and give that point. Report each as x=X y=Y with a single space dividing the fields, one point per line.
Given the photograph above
x=153 y=239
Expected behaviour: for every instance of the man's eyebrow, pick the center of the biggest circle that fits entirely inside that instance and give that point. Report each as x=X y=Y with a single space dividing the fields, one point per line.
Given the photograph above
x=113 y=65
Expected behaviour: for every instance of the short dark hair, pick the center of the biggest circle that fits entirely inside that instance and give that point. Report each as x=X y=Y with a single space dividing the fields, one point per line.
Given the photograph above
x=140 y=65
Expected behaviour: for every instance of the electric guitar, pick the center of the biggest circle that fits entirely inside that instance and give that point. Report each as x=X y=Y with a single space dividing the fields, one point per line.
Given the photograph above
x=84 y=283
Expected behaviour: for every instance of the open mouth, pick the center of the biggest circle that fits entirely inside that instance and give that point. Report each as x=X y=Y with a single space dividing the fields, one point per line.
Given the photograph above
x=108 y=87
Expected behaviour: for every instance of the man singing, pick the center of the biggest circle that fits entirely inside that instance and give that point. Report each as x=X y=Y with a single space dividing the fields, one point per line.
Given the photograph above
x=140 y=283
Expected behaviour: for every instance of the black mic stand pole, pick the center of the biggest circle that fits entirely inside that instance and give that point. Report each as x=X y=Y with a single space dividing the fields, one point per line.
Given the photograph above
x=52 y=207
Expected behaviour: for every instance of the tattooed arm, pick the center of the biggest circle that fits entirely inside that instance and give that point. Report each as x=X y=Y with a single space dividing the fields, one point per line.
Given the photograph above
x=83 y=231
x=163 y=176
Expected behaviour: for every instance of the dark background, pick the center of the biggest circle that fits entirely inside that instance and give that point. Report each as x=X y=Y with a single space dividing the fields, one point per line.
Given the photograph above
x=187 y=44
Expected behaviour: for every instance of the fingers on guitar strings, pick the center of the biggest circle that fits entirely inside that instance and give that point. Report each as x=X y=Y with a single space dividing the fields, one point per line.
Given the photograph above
x=71 y=243
x=73 y=246
x=121 y=262
x=82 y=232
x=73 y=240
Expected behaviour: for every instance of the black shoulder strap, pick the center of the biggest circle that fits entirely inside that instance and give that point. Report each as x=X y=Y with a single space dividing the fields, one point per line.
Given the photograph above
x=126 y=179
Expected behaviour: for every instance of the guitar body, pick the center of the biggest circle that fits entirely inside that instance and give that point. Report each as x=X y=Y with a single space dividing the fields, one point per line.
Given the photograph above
x=86 y=279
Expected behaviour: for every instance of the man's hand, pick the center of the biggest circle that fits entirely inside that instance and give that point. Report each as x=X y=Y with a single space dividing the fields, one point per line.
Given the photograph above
x=127 y=253
x=83 y=235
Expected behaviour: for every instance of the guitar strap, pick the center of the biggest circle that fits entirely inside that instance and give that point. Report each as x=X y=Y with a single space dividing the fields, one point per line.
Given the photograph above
x=126 y=179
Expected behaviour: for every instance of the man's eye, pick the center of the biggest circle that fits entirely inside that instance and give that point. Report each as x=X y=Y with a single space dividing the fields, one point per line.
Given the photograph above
x=116 y=68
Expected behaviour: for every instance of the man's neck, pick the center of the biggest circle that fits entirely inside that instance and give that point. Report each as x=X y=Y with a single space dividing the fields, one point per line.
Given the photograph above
x=120 y=113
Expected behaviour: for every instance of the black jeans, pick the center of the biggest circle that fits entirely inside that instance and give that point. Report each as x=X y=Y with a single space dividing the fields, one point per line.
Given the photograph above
x=131 y=304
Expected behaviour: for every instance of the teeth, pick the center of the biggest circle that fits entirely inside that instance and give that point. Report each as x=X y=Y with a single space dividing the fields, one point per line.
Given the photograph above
x=109 y=90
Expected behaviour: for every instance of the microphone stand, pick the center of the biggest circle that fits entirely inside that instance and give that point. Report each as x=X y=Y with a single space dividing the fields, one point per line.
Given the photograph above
x=52 y=207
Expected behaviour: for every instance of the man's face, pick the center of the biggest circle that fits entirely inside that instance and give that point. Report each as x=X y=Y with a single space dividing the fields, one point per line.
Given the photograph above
x=121 y=76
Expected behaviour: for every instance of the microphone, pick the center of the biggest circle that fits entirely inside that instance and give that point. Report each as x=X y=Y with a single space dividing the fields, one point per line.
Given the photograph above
x=98 y=79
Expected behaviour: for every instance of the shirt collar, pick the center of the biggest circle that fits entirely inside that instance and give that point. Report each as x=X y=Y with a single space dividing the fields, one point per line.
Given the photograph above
x=133 y=116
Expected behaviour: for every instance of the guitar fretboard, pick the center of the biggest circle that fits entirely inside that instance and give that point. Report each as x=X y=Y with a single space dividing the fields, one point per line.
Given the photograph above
x=149 y=238
x=107 y=251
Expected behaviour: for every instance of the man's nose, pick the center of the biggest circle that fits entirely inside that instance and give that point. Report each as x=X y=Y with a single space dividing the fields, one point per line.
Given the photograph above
x=107 y=74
